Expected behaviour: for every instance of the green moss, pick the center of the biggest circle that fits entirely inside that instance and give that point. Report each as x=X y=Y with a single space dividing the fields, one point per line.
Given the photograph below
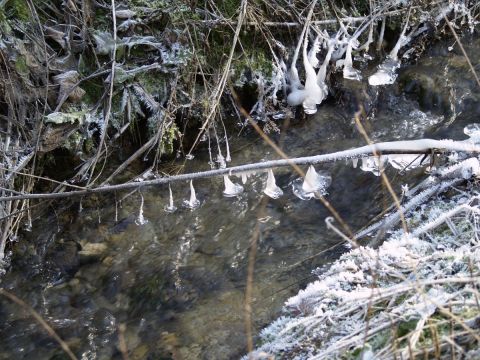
x=17 y=9
x=171 y=134
x=94 y=89
x=74 y=142
x=21 y=65
x=406 y=327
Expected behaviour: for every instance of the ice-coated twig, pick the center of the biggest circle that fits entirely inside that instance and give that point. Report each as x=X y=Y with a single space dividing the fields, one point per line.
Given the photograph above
x=444 y=217
x=394 y=218
x=422 y=146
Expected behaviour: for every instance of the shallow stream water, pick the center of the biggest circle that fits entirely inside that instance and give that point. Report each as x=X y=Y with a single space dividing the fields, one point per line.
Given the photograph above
x=177 y=282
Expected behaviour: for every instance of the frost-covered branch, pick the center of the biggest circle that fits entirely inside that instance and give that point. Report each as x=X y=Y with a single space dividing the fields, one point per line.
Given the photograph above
x=422 y=146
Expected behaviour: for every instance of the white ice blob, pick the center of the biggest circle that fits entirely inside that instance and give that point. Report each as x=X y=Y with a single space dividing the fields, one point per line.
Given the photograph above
x=406 y=162
x=231 y=189
x=373 y=164
x=314 y=184
x=472 y=131
x=271 y=188
x=386 y=73
x=193 y=203
x=245 y=175
x=170 y=208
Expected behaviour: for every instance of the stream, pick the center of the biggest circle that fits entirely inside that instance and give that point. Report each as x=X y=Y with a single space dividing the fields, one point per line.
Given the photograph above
x=177 y=282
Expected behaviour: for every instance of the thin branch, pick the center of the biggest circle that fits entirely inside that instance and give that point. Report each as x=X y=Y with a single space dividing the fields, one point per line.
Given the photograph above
x=423 y=146
x=218 y=92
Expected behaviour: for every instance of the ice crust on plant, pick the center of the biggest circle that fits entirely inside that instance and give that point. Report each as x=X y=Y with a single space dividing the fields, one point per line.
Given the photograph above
x=402 y=268
x=417 y=273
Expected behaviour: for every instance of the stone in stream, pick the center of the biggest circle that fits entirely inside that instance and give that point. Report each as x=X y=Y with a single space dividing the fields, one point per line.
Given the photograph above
x=92 y=252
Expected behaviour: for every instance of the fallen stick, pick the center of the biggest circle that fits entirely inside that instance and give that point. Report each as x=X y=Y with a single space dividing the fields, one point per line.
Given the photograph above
x=422 y=146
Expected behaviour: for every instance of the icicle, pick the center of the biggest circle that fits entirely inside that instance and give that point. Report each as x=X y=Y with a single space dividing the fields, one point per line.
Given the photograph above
x=348 y=71
x=170 y=208
x=313 y=184
x=228 y=158
x=244 y=178
x=373 y=164
x=472 y=131
x=406 y=162
x=355 y=163
x=245 y=175
x=221 y=160
x=387 y=71
x=193 y=203
x=231 y=189
x=297 y=93
x=322 y=72
x=312 y=54
x=140 y=218
x=28 y=225
x=313 y=93
x=271 y=188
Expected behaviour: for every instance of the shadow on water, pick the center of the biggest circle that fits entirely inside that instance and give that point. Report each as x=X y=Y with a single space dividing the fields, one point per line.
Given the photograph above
x=178 y=281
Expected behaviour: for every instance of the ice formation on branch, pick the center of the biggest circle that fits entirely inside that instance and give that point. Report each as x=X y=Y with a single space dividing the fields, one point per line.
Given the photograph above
x=170 y=208
x=193 y=202
x=231 y=189
x=349 y=72
x=271 y=188
x=314 y=184
x=387 y=71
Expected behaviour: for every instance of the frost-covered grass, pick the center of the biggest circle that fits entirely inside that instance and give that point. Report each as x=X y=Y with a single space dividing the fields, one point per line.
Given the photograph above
x=414 y=296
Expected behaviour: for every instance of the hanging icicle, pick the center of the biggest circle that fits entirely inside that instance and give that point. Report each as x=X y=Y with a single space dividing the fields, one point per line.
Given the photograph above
x=170 y=208
x=271 y=188
x=231 y=189
x=140 y=218
x=386 y=73
x=193 y=203
x=314 y=185
x=349 y=72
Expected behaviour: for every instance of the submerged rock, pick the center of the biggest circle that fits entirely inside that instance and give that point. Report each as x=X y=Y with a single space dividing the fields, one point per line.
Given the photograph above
x=92 y=252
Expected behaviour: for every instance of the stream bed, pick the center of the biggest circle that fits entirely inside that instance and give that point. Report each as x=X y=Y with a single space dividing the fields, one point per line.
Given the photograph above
x=176 y=281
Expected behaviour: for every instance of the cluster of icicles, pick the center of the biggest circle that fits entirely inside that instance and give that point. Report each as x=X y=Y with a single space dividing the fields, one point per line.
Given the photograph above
x=313 y=185
x=339 y=50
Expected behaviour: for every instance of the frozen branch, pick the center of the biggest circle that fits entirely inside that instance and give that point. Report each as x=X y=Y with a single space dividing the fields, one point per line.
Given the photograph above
x=422 y=146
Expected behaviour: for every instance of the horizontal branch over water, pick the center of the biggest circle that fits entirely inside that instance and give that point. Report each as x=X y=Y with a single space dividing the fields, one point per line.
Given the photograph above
x=422 y=146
